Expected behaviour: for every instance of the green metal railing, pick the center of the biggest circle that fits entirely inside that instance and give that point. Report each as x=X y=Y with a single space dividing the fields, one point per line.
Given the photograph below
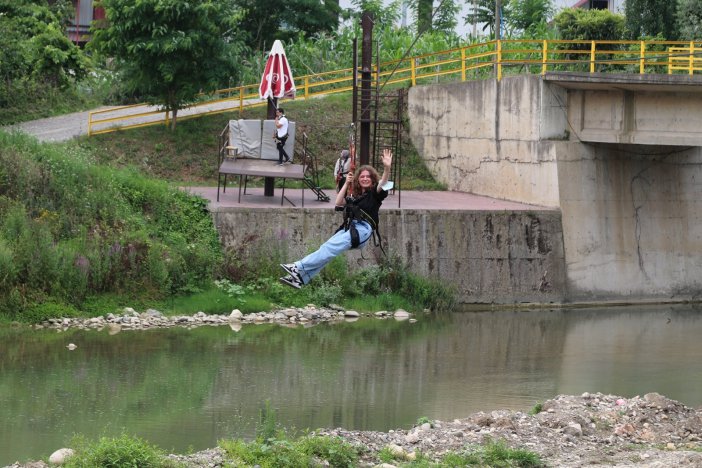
x=470 y=62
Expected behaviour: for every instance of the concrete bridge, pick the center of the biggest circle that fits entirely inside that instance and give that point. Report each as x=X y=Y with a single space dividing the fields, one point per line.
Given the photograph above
x=619 y=155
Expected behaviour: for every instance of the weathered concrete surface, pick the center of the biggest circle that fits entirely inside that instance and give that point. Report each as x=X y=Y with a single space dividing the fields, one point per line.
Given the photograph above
x=632 y=221
x=500 y=257
x=485 y=137
x=632 y=215
x=662 y=110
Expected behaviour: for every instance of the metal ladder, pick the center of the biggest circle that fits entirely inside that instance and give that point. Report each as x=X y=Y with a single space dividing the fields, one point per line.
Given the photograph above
x=309 y=160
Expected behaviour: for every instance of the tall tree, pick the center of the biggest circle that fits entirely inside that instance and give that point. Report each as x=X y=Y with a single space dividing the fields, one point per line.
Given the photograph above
x=651 y=18
x=435 y=15
x=383 y=15
x=423 y=13
x=588 y=25
x=33 y=44
x=527 y=15
x=168 y=50
x=689 y=19
x=266 y=20
x=483 y=12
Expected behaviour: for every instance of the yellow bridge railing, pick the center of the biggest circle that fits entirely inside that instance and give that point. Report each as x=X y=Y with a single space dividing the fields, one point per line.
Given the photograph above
x=473 y=61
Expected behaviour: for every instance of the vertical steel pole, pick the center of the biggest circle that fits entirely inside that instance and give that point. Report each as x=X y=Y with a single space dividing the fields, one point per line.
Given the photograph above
x=269 y=182
x=498 y=36
x=366 y=73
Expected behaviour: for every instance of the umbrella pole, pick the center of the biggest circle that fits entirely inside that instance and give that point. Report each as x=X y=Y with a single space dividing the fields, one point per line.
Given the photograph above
x=269 y=182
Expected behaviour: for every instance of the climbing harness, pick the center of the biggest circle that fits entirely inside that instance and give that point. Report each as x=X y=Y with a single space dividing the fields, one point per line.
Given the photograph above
x=354 y=212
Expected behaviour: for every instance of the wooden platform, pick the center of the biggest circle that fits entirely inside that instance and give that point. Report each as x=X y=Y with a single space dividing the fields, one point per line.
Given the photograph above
x=259 y=168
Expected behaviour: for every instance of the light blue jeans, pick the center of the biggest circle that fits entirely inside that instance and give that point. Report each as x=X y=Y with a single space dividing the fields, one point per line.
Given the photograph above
x=339 y=243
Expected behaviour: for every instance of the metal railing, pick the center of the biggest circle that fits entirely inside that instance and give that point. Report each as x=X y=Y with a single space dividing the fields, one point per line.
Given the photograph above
x=473 y=61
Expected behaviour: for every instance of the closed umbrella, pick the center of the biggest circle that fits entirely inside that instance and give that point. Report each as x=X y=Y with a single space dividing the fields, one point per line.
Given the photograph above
x=277 y=80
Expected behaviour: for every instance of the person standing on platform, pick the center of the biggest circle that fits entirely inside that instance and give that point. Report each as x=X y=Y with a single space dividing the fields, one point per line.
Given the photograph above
x=343 y=164
x=281 y=135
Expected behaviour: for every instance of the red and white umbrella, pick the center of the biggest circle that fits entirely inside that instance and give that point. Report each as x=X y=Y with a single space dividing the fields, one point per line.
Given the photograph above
x=277 y=80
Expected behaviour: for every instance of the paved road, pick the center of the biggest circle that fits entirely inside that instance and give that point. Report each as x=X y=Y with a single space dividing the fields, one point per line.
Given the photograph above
x=65 y=127
x=61 y=128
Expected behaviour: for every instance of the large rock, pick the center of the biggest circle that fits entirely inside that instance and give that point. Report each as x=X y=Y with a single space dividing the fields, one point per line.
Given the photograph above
x=60 y=456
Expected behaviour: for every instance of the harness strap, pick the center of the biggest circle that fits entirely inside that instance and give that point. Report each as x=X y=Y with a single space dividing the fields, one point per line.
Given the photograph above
x=352 y=212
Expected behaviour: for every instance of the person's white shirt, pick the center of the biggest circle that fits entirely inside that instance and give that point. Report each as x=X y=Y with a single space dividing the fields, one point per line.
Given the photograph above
x=282 y=126
x=341 y=168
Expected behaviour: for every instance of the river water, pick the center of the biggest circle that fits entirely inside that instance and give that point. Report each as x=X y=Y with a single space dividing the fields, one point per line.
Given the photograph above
x=186 y=389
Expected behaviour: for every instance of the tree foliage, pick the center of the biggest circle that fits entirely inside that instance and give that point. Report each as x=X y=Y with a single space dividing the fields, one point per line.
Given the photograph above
x=579 y=24
x=168 y=51
x=264 y=21
x=383 y=15
x=38 y=63
x=527 y=15
x=430 y=15
x=651 y=18
x=689 y=19
x=33 y=44
x=484 y=13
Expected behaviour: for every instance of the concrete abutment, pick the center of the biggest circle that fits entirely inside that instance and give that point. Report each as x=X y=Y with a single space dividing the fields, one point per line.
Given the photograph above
x=631 y=212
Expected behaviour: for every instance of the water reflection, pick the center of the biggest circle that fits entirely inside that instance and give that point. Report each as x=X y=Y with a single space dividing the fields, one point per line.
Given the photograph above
x=186 y=389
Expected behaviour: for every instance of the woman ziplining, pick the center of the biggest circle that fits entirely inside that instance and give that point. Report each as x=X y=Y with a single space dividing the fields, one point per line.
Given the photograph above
x=360 y=199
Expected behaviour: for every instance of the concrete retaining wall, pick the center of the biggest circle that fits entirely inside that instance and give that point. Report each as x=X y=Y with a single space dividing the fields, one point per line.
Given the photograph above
x=489 y=138
x=499 y=257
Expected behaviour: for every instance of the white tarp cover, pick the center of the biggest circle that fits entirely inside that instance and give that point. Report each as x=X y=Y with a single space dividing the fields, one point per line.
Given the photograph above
x=254 y=139
x=268 y=148
x=246 y=136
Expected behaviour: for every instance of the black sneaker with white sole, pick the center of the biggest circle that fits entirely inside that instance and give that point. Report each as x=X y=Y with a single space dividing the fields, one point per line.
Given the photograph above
x=292 y=270
x=290 y=281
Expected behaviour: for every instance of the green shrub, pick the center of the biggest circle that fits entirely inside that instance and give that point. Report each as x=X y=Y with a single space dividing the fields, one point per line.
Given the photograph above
x=8 y=269
x=325 y=293
x=334 y=450
x=39 y=312
x=73 y=229
x=117 y=452
x=282 y=452
x=536 y=409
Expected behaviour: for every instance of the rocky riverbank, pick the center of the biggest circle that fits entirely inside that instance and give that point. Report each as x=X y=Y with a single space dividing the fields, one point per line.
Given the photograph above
x=130 y=319
x=569 y=431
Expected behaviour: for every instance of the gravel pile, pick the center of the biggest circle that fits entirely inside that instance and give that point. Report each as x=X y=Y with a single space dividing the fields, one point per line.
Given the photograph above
x=570 y=431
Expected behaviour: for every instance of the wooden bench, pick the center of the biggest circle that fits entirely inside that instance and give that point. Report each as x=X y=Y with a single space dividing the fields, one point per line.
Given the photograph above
x=259 y=168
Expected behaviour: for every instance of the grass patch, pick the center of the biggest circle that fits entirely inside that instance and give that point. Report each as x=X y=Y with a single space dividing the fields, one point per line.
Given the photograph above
x=491 y=454
x=536 y=409
x=274 y=448
x=118 y=452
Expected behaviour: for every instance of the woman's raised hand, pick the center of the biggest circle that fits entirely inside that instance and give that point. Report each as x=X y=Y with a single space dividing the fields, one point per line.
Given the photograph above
x=387 y=158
